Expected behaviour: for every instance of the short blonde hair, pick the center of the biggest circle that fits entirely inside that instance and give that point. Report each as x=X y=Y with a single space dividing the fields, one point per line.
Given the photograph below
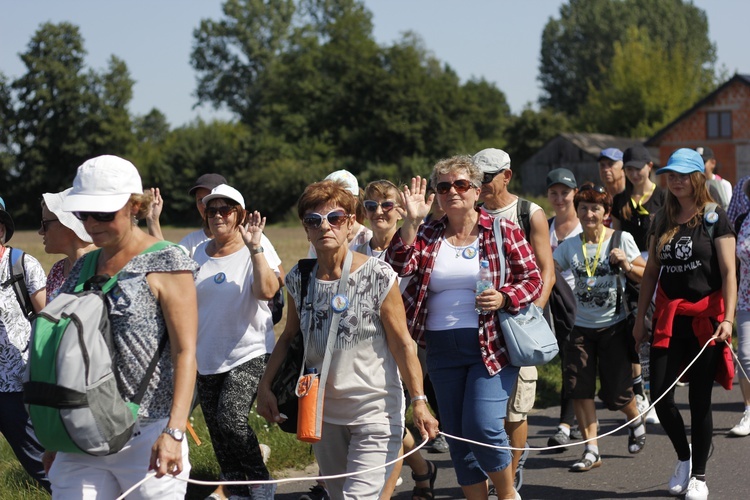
x=455 y=164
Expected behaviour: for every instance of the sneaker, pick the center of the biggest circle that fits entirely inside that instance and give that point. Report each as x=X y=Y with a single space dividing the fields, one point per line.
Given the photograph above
x=559 y=439
x=696 y=490
x=492 y=494
x=743 y=428
x=265 y=451
x=678 y=483
x=518 y=480
x=317 y=492
x=440 y=445
x=575 y=433
x=652 y=418
x=263 y=492
x=641 y=403
x=399 y=481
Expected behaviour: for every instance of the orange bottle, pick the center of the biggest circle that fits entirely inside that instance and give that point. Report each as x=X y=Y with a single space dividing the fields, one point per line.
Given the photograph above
x=307 y=419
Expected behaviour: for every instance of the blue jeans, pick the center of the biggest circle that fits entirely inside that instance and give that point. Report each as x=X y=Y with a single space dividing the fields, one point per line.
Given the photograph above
x=473 y=403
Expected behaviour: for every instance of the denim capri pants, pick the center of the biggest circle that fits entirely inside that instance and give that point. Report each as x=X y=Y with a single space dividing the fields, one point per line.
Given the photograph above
x=473 y=404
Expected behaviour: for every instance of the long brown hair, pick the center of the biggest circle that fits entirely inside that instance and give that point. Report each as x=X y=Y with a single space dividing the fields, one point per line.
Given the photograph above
x=666 y=224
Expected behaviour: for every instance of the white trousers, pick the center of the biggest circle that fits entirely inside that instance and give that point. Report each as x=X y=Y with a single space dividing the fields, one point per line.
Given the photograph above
x=87 y=477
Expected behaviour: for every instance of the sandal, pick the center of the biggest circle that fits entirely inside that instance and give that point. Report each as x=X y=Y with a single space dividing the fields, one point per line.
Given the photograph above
x=421 y=492
x=588 y=461
x=636 y=443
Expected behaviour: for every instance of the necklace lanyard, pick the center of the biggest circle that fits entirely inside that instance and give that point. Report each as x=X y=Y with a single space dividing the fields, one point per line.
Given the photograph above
x=591 y=270
x=638 y=206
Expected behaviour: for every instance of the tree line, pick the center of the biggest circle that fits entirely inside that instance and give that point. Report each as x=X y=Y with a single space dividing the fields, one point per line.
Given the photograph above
x=311 y=91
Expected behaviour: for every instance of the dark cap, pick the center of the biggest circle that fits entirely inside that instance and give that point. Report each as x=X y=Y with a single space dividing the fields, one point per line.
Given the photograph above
x=561 y=176
x=207 y=181
x=706 y=153
x=7 y=221
x=636 y=156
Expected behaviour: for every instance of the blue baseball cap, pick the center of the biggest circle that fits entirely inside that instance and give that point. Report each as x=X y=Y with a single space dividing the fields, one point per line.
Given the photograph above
x=613 y=154
x=684 y=161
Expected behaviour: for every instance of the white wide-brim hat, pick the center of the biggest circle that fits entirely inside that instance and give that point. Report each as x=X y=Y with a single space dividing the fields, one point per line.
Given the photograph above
x=54 y=203
x=103 y=184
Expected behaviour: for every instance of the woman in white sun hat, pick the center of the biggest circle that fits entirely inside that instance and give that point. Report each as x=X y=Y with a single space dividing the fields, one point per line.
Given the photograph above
x=154 y=297
x=61 y=233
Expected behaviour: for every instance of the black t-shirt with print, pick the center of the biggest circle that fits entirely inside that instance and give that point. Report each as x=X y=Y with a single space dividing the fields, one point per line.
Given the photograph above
x=689 y=262
x=638 y=224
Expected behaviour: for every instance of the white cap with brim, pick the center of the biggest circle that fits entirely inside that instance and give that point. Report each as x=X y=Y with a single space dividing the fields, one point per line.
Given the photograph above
x=225 y=191
x=54 y=202
x=103 y=184
x=491 y=160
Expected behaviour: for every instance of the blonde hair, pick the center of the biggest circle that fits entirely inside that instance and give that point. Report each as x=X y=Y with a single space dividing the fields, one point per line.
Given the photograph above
x=144 y=203
x=665 y=222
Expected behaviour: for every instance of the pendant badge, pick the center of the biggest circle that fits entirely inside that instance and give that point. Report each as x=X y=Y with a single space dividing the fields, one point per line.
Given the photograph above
x=590 y=281
x=712 y=217
x=339 y=303
x=469 y=253
x=220 y=278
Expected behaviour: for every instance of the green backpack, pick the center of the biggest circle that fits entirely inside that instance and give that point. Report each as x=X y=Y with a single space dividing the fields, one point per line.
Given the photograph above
x=71 y=388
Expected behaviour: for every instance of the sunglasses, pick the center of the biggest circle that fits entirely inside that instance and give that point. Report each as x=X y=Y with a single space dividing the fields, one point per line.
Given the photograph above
x=224 y=211
x=315 y=220
x=461 y=186
x=97 y=216
x=587 y=187
x=372 y=205
x=46 y=223
x=487 y=178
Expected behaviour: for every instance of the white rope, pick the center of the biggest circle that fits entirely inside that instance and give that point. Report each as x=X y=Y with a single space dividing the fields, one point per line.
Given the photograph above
x=421 y=445
x=275 y=481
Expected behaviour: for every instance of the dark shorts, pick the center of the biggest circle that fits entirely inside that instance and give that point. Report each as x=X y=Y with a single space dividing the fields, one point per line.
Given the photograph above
x=606 y=349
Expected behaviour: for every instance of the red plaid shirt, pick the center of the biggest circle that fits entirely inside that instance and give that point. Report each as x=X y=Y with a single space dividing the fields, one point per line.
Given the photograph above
x=522 y=281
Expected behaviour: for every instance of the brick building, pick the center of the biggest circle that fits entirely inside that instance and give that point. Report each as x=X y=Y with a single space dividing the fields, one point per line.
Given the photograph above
x=721 y=121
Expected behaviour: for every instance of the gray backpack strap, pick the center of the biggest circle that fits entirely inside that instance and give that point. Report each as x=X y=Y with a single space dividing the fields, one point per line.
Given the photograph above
x=709 y=208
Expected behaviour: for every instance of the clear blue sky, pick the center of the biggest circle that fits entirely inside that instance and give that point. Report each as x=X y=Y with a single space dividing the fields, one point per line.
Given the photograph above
x=495 y=39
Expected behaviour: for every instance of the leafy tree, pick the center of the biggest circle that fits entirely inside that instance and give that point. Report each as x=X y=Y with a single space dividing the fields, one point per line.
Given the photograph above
x=578 y=48
x=57 y=115
x=645 y=88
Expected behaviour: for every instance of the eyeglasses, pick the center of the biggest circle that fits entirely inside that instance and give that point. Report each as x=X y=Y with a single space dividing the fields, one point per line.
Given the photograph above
x=224 y=211
x=461 y=186
x=372 y=205
x=334 y=218
x=487 y=178
x=97 y=216
x=46 y=223
x=598 y=189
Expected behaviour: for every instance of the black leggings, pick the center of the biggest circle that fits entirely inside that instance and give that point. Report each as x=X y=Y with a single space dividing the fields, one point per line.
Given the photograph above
x=666 y=365
x=226 y=399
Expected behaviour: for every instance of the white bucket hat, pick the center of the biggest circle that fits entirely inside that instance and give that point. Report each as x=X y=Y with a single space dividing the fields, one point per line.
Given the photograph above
x=54 y=203
x=346 y=178
x=103 y=184
x=225 y=191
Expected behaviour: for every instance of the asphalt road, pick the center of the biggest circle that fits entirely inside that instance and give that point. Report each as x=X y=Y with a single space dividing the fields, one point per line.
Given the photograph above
x=621 y=476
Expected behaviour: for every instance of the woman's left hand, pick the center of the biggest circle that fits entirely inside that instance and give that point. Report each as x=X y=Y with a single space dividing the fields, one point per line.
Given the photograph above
x=490 y=300
x=253 y=230
x=617 y=257
x=724 y=331
x=424 y=421
x=166 y=456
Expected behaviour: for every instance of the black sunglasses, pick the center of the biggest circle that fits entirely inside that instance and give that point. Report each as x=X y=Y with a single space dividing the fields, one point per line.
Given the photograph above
x=598 y=189
x=461 y=186
x=372 y=205
x=224 y=211
x=315 y=220
x=97 y=216
x=46 y=223
x=487 y=178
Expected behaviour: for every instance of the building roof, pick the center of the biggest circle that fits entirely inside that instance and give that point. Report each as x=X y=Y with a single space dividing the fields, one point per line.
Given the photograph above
x=742 y=78
x=594 y=143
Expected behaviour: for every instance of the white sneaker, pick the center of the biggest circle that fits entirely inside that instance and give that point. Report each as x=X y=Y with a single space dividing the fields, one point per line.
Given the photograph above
x=678 y=483
x=641 y=403
x=743 y=428
x=652 y=417
x=399 y=481
x=697 y=490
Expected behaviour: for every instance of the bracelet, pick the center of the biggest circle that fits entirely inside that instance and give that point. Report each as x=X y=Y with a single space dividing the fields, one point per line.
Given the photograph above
x=728 y=321
x=256 y=250
x=421 y=397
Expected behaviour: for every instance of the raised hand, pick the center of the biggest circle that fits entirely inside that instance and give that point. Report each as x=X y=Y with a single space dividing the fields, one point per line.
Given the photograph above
x=253 y=230
x=416 y=207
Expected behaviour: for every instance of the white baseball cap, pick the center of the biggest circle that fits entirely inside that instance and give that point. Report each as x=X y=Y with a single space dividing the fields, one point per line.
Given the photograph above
x=491 y=160
x=225 y=191
x=346 y=178
x=103 y=184
x=54 y=202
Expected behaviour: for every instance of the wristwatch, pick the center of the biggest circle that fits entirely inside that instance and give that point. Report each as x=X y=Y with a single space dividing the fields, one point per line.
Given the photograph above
x=255 y=251
x=176 y=434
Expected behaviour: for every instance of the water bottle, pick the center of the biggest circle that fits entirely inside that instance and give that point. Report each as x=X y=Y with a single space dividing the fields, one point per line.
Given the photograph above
x=484 y=282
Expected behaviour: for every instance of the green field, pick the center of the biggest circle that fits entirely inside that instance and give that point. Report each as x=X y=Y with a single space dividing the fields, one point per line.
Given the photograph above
x=287 y=452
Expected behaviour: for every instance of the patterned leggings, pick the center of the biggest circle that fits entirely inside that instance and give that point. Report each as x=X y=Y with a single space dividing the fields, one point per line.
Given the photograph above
x=226 y=399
